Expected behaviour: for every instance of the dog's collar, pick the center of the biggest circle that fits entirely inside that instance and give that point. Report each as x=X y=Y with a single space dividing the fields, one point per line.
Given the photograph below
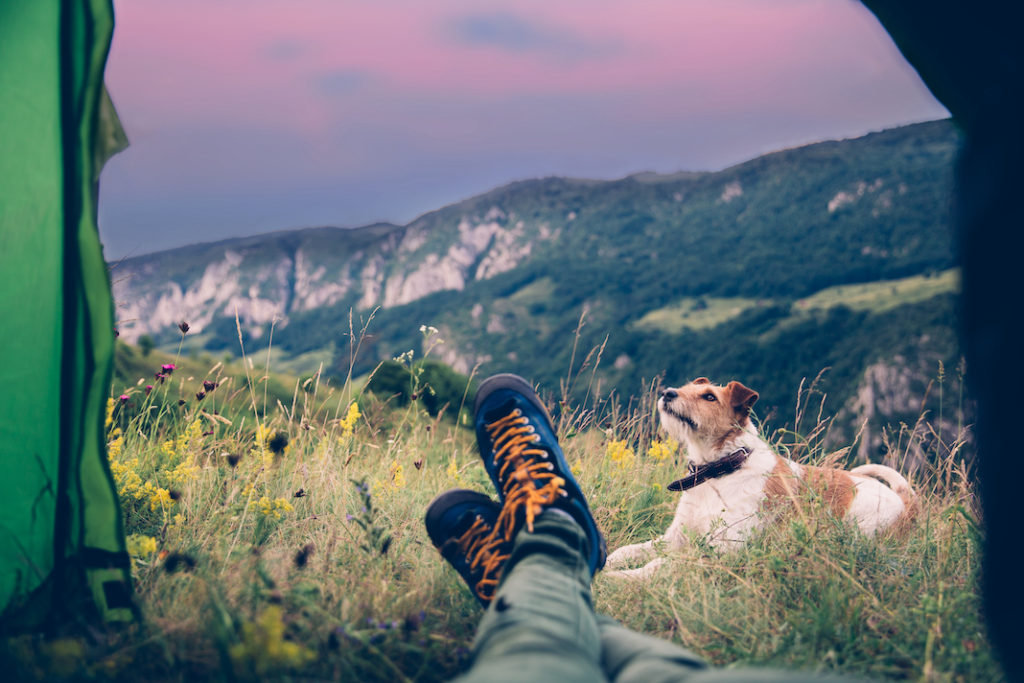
x=718 y=468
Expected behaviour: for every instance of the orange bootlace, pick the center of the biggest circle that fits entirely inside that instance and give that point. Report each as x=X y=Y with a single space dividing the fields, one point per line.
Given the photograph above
x=480 y=543
x=513 y=437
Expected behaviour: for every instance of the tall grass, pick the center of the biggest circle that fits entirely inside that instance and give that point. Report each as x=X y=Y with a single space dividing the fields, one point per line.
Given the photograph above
x=288 y=543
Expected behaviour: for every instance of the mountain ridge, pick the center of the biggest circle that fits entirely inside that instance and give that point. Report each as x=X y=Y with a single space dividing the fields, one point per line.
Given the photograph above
x=507 y=274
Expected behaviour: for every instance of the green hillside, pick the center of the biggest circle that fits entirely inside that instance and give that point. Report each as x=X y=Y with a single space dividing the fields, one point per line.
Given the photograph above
x=762 y=282
x=834 y=255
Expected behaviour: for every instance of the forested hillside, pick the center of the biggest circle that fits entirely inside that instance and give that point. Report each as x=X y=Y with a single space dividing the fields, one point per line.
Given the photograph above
x=740 y=274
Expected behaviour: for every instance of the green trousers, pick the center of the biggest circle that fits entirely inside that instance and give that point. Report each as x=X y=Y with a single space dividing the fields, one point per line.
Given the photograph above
x=541 y=625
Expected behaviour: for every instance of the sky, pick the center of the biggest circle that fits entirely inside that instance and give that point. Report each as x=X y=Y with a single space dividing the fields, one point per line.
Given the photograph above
x=247 y=116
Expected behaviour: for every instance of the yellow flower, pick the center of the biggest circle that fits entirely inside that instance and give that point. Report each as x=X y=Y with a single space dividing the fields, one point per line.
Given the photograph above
x=183 y=473
x=114 y=448
x=661 y=450
x=159 y=498
x=274 y=508
x=348 y=423
x=259 y=449
x=453 y=470
x=397 y=473
x=110 y=413
x=577 y=468
x=125 y=477
x=621 y=454
x=140 y=546
x=263 y=647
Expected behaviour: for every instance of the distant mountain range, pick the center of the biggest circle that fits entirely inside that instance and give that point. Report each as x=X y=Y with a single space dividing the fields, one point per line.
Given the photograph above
x=837 y=254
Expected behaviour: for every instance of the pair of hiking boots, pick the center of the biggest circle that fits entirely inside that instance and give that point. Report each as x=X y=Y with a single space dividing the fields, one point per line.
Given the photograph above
x=521 y=454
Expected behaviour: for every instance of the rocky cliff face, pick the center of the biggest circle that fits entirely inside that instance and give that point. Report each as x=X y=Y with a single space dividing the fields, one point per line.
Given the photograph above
x=900 y=411
x=262 y=282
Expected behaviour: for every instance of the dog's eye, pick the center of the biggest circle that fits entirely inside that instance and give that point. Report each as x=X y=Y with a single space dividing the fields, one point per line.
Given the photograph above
x=709 y=397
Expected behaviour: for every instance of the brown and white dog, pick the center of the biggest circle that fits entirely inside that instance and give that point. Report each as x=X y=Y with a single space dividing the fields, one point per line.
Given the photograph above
x=735 y=477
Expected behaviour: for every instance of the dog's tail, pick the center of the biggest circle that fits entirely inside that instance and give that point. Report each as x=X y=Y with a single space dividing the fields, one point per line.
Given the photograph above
x=896 y=482
x=890 y=476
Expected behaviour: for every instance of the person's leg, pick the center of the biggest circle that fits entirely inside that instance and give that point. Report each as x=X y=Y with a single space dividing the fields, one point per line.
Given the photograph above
x=541 y=624
x=631 y=657
x=628 y=656
x=542 y=541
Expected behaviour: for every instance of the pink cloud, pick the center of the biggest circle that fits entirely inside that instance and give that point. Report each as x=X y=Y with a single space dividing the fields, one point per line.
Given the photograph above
x=214 y=60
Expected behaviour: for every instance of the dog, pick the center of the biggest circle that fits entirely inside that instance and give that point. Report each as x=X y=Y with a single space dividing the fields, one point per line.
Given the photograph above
x=735 y=479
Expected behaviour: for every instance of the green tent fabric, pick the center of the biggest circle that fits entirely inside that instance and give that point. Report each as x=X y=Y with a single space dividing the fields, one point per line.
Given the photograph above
x=62 y=549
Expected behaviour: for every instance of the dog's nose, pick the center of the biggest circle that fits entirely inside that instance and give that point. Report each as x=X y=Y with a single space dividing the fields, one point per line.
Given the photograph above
x=668 y=394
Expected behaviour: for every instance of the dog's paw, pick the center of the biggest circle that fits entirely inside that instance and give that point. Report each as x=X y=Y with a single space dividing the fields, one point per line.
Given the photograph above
x=644 y=572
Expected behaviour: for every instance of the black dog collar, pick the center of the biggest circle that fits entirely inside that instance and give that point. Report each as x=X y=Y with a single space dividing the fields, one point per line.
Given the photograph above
x=718 y=468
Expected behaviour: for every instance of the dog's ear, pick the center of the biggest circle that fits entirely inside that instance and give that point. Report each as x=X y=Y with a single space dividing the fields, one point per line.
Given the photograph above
x=741 y=398
x=702 y=380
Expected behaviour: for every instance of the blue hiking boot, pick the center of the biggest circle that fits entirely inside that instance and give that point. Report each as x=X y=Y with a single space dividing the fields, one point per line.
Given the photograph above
x=521 y=454
x=461 y=524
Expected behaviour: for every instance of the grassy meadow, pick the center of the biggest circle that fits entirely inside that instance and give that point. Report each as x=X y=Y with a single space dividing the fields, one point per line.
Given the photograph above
x=276 y=532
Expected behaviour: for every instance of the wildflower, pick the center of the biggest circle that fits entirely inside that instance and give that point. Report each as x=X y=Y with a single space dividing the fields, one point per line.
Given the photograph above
x=453 y=470
x=577 y=468
x=123 y=398
x=110 y=413
x=181 y=402
x=183 y=326
x=620 y=453
x=168 y=368
x=660 y=450
x=180 y=475
x=397 y=475
x=261 y=445
x=126 y=478
x=233 y=459
x=301 y=493
x=159 y=498
x=348 y=424
x=140 y=545
x=149 y=388
x=117 y=333
x=418 y=464
x=160 y=377
x=274 y=508
x=209 y=385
